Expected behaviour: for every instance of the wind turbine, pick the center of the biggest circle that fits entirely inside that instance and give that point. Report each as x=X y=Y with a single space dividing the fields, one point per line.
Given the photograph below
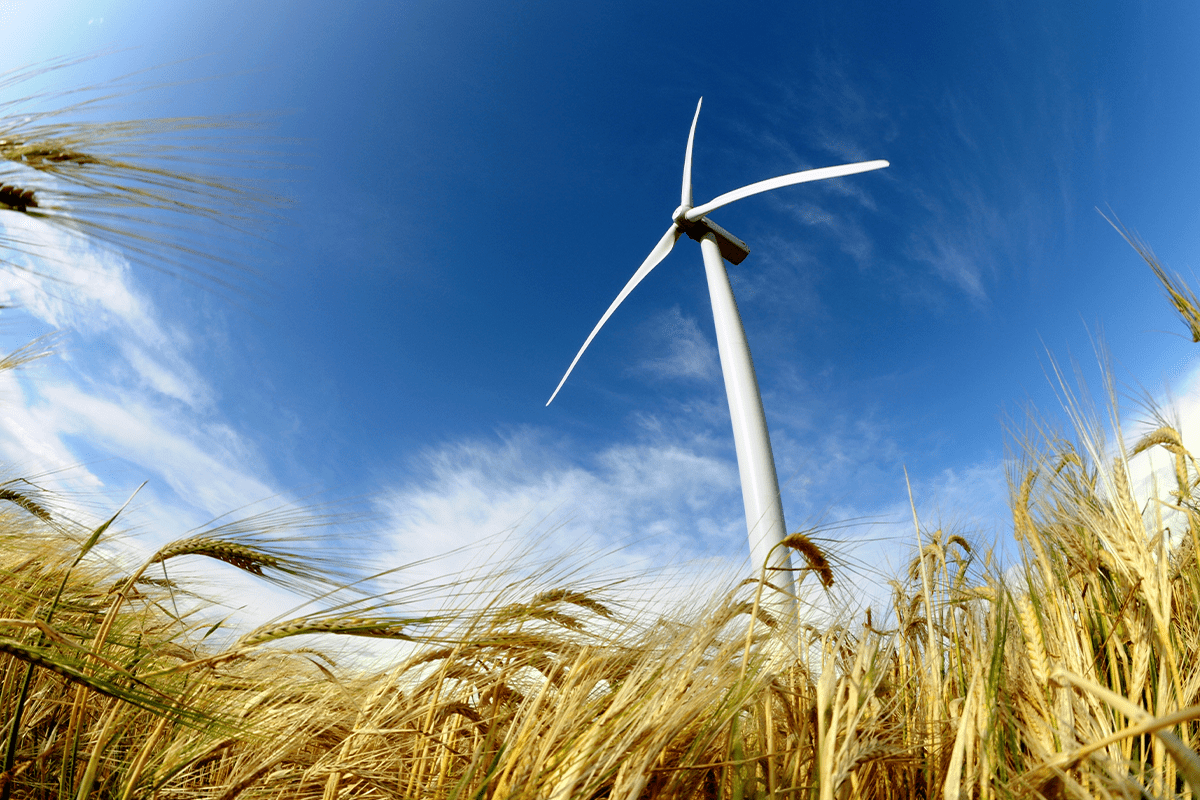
x=756 y=464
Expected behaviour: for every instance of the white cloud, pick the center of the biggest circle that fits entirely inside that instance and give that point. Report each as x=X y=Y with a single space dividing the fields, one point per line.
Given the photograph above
x=851 y=237
x=74 y=286
x=199 y=468
x=658 y=504
x=1185 y=372
x=68 y=283
x=120 y=402
x=688 y=353
x=657 y=498
x=663 y=520
x=953 y=260
x=180 y=383
x=120 y=385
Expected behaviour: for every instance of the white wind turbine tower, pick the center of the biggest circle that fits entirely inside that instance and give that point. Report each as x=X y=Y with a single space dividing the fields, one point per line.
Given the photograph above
x=756 y=464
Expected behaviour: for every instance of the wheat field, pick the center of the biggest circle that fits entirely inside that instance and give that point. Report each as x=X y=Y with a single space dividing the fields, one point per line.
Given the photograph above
x=1069 y=674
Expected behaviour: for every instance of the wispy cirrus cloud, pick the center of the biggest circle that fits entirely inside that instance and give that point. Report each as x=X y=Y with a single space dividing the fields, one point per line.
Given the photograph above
x=658 y=496
x=687 y=353
x=88 y=291
x=957 y=261
x=851 y=236
x=122 y=384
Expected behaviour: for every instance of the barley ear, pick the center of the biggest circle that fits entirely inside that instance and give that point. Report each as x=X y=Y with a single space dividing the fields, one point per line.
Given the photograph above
x=244 y=557
x=812 y=554
x=18 y=499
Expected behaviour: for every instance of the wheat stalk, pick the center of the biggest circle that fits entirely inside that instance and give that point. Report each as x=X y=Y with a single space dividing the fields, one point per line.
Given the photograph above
x=127 y=183
x=1181 y=297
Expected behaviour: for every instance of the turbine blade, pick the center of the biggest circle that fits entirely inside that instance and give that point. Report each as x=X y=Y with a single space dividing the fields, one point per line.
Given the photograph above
x=783 y=180
x=686 y=200
x=656 y=255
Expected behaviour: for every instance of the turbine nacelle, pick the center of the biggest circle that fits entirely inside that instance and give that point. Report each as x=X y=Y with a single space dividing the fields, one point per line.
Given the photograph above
x=733 y=249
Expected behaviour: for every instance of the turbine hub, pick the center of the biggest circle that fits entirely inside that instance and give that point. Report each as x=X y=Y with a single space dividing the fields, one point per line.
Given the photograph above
x=678 y=216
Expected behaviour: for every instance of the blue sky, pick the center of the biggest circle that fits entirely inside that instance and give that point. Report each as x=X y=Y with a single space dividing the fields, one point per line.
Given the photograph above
x=471 y=185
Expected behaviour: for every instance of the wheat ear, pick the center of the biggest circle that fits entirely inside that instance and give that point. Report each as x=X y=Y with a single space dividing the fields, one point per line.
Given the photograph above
x=244 y=557
x=14 y=198
x=18 y=499
x=813 y=555
x=376 y=627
